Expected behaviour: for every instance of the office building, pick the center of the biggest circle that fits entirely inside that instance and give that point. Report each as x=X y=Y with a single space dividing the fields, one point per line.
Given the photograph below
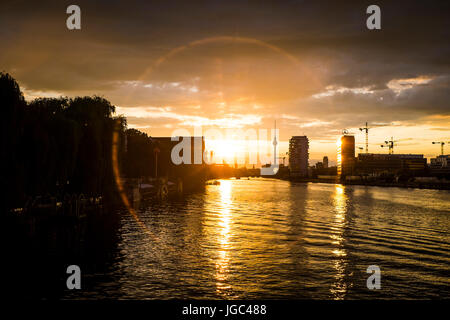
x=346 y=155
x=298 y=156
x=373 y=164
x=440 y=166
x=325 y=162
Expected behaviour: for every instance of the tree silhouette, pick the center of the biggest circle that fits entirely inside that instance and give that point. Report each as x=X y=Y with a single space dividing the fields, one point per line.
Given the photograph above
x=54 y=145
x=12 y=104
x=139 y=158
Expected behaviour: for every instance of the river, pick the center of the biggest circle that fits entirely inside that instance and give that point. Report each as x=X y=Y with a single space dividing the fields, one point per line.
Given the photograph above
x=273 y=239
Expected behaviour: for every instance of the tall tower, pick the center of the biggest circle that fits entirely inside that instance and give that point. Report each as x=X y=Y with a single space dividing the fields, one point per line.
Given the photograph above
x=299 y=156
x=346 y=155
x=275 y=142
x=325 y=162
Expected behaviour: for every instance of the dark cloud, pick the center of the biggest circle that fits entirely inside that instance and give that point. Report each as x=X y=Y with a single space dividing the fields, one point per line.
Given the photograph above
x=297 y=49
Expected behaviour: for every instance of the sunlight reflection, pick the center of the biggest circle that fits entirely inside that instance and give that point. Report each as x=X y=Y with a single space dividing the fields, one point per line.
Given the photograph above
x=222 y=263
x=340 y=202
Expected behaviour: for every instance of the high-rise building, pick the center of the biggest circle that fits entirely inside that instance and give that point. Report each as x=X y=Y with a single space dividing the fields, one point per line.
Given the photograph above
x=298 y=156
x=325 y=162
x=346 y=155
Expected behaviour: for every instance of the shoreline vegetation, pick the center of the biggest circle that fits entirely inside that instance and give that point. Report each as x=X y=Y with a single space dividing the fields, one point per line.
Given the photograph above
x=55 y=149
x=59 y=200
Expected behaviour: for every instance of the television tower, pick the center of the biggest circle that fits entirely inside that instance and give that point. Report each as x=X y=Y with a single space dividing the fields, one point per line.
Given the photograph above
x=275 y=142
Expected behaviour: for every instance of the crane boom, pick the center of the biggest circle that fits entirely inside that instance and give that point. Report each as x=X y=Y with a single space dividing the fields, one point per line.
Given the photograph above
x=390 y=144
x=366 y=129
x=442 y=143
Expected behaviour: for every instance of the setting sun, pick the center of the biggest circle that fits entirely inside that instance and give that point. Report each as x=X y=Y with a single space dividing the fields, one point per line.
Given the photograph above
x=227 y=150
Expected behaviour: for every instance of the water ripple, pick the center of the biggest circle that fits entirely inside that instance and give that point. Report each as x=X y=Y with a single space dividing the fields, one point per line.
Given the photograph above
x=267 y=239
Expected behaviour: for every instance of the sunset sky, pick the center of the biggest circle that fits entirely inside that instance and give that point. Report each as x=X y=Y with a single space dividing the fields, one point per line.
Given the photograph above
x=311 y=65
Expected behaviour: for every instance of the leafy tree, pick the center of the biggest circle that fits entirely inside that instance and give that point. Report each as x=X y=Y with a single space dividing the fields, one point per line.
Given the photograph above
x=53 y=145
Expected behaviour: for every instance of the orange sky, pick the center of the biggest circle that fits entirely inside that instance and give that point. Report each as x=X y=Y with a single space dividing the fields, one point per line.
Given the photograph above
x=314 y=68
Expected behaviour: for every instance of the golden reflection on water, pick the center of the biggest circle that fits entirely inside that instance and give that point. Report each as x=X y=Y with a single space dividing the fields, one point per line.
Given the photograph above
x=340 y=203
x=222 y=263
x=270 y=239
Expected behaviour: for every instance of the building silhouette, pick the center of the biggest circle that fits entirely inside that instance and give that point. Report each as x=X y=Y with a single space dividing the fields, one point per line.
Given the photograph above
x=192 y=172
x=440 y=166
x=346 y=155
x=375 y=164
x=298 y=156
x=325 y=162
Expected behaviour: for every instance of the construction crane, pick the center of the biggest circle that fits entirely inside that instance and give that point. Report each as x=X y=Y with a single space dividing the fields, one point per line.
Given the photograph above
x=389 y=144
x=366 y=129
x=442 y=143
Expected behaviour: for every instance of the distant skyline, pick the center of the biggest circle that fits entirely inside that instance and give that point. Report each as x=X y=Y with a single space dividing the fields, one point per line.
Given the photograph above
x=312 y=66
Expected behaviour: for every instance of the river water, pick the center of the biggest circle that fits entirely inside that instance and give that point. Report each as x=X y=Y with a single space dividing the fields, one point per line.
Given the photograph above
x=273 y=239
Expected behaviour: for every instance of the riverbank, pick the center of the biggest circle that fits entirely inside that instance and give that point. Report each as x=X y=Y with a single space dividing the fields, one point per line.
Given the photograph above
x=415 y=185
